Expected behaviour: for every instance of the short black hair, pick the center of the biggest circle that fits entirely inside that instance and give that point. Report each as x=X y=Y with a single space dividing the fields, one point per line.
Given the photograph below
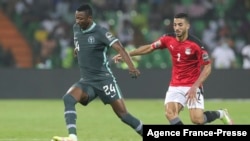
x=182 y=16
x=86 y=8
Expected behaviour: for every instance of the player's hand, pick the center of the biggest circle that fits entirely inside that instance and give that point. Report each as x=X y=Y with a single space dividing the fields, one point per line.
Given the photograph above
x=117 y=58
x=191 y=96
x=134 y=73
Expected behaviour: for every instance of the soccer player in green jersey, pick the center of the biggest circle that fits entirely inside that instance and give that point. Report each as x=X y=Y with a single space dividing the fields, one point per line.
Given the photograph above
x=97 y=80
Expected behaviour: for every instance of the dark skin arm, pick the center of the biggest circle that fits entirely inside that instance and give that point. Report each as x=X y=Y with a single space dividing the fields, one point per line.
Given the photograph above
x=124 y=55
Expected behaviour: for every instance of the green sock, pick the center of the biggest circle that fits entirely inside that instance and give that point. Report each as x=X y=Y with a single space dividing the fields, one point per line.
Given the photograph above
x=133 y=122
x=70 y=113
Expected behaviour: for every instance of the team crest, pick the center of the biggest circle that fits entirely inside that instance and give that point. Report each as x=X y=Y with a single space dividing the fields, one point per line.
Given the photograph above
x=188 y=51
x=91 y=39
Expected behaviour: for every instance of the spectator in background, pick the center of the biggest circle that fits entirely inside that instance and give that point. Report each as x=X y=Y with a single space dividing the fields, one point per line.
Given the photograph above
x=209 y=35
x=6 y=58
x=246 y=56
x=125 y=32
x=47 y=50
x=27 y=13
x=223 y=55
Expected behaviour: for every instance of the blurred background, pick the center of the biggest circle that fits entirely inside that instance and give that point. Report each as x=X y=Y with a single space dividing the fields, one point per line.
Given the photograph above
x=37 y=35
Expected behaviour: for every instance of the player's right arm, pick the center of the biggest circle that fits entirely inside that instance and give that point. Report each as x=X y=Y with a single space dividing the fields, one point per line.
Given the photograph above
x=145 y=49
x=142 y=50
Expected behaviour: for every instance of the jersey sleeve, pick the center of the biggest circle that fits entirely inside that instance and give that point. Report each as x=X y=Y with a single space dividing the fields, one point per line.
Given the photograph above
x=205 y=59
x=203 y=55
x=107 y=37
x=160 y=43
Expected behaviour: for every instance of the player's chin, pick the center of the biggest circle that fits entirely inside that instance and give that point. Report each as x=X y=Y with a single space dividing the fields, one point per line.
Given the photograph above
x=178 y=34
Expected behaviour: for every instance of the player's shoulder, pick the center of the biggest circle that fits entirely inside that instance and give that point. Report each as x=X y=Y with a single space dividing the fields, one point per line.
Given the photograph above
x=170 y=35
x=100 y=28
x=195 y=40
x=105 y=33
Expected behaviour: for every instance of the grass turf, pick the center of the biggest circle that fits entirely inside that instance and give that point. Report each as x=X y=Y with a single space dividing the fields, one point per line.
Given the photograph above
x=39 y=120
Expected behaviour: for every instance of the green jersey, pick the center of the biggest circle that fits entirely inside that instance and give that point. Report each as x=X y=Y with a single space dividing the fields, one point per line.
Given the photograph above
x=92 y=45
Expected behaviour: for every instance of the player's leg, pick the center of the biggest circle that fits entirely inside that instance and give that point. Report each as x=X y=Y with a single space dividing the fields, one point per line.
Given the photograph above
x=121 y=111
x=172 y=110
x=174 y=103
x=199 y=116
x=74 y=95
x=112 y=95
x=196 y=110
x=224 y=117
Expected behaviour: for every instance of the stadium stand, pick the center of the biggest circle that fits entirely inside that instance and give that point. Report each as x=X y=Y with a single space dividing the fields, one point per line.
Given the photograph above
x=11 y=38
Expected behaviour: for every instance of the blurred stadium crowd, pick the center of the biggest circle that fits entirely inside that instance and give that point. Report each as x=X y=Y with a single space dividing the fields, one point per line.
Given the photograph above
x=222 y=25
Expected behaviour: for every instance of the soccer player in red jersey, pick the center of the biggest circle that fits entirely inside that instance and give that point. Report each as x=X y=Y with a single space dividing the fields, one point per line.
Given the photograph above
x=191 y=67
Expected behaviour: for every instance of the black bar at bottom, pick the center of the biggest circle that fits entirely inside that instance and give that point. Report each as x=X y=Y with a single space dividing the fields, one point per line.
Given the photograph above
x=162 y=132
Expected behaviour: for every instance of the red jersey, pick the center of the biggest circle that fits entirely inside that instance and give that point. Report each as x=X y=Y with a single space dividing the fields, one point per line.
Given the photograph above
x=187 y=58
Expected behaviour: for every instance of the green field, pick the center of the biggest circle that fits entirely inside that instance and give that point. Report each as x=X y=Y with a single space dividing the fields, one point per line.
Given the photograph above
x=39 y=120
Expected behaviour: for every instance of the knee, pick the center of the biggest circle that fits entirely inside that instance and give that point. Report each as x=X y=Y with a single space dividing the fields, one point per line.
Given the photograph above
x=197 y=120
x=68 y=98
x=169 y=114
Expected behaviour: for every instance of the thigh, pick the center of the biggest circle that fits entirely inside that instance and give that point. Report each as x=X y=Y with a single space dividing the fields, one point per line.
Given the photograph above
x=107 y=90
x=83 y=92
x=200 y=100
x=175 y=95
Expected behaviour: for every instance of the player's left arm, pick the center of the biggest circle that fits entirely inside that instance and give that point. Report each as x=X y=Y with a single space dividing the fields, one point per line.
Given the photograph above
x=126 y=57
x=124 y=54
x=191 y=94
x=205 y=70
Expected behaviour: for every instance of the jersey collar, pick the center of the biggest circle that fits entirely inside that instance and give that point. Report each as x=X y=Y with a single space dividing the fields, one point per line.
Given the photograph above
x=90 y=28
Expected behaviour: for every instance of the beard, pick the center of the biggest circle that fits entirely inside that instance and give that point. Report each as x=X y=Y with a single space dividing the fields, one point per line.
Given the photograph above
x=179 y=33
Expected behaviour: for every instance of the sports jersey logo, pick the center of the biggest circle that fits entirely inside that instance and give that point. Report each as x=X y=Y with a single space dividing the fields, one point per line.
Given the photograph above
x=109 y=36
x=91 y=39
x=188 y=51
x=205 y=57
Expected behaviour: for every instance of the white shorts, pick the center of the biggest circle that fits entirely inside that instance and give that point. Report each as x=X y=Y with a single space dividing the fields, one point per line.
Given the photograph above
x=177 y=94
